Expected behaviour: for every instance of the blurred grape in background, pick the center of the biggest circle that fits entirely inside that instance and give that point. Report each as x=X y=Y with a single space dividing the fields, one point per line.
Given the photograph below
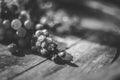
x=87 y=19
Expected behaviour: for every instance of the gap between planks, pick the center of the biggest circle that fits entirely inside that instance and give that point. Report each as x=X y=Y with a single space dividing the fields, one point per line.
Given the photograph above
x=87 y=56
x=17 y=70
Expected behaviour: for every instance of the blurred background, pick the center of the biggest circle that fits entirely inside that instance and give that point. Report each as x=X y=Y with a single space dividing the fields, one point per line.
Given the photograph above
x=93 y=20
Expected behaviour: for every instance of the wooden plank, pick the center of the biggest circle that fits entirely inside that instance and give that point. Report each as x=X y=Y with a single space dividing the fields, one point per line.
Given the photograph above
x=87 y=57
x=12 y=66
x=88 y=64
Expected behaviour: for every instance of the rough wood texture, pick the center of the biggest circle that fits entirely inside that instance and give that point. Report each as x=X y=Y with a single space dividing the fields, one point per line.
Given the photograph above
x=88 y=59
x=12 y=66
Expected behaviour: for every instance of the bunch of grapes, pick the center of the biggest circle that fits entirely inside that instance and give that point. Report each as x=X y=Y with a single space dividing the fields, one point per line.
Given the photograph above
x=14 y=27
x=43 y=43
x=47 y=47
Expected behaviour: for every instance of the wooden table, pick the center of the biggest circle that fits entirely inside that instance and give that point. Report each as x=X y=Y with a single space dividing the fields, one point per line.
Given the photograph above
x=91 y=62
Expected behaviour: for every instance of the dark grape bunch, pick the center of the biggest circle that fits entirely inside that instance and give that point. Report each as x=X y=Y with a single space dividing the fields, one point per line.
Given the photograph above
x=16 y=27
x=11 y=22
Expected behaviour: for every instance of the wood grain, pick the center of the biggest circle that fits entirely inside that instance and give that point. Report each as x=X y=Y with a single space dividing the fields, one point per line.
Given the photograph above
x=88 y=58
x=12 y=66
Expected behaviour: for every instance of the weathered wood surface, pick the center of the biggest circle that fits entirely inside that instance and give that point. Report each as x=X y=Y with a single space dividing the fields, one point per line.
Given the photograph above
x=12 y=66
x=89 y=58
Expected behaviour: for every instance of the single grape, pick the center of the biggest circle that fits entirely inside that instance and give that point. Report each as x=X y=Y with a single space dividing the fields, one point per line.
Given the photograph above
x=44 y=44
x=44 y=52
x=13 y=8
x=28 y=24
x=6 y=24
x=41 y=38
x=45 y=32
x=38 y=44
x=43 y=20
x=38 y=33
x=61 y=54
x=38 y=26
x=21 y=32
x=68 y=57
x=24 y=16
x=16 y=24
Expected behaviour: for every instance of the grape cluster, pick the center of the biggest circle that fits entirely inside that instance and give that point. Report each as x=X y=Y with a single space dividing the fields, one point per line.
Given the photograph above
x=18 y=28
x=15 y=27
x=43 y=42
x=46 y=46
